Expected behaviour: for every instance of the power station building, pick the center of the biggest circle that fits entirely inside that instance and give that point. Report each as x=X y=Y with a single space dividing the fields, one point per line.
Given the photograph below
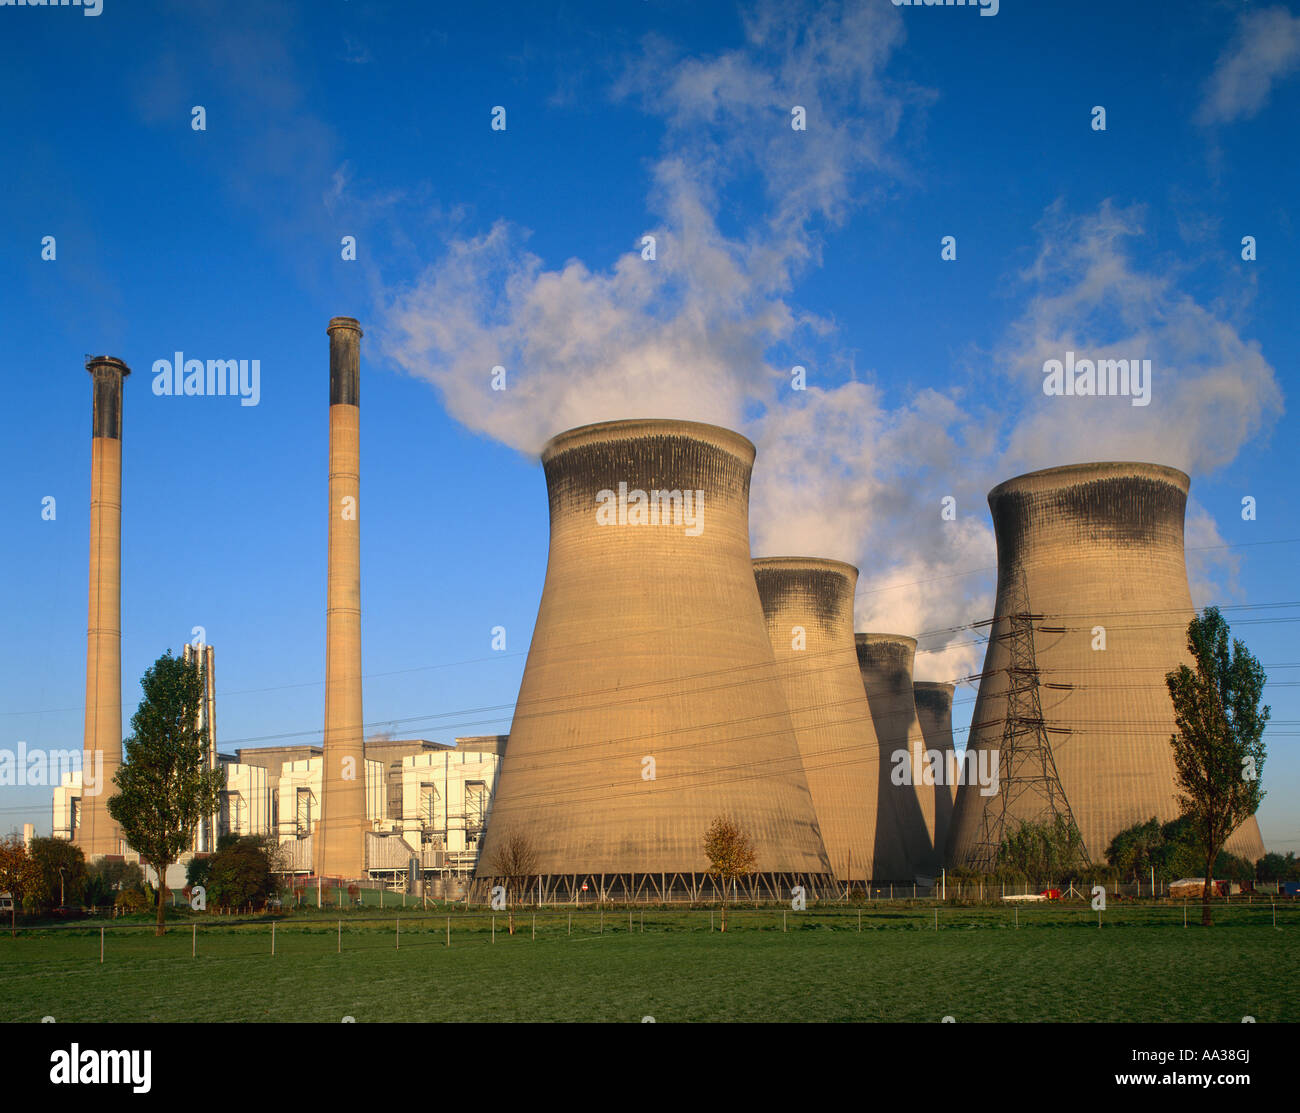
x=672 y=681
x=808 y=605
x=650 y=702
x=1090 y=556
x=424 y=800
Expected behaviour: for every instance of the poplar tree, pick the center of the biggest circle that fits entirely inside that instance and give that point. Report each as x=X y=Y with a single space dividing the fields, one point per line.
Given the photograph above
x=1218 y=748
x=164 y=785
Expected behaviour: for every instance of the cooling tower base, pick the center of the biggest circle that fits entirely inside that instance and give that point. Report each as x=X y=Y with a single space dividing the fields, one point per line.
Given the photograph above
x=661 y=888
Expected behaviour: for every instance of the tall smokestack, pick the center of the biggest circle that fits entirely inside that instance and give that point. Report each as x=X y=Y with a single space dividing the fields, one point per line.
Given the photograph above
x=933 y=701
x=649 y=703
x=205 y=658
x=1100 y=547
x=339 y=843
x=808 y=604
x=885 y=661
x=97 y=832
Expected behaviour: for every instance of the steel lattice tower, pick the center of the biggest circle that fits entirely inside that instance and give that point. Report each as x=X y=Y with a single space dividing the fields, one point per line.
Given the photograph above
x=1029 y=787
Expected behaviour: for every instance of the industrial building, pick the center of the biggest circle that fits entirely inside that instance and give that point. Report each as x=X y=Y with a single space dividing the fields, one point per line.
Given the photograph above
x=650 y=703
x=885 y=662
x=1092 y=606
x=423 y=799
x=671 y=680
x=808 y=605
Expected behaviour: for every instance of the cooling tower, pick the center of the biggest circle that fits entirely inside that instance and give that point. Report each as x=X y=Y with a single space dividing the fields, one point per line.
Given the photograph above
x=885 y=661
x=933 y=701
x=340 y=833
x=649 y=703
x=1101 y=549
x=808 y=604
x=97 y=833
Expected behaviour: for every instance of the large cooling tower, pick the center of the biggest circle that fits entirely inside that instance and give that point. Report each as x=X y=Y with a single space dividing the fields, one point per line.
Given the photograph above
x=1100 y=546
x=933 y=701
x=649 y=703
x=340 y=834
x=808 y=604
x=885 y=661
x=97 y=832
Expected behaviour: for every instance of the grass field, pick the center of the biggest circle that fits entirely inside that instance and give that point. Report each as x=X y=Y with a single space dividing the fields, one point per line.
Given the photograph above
x=1056 y=965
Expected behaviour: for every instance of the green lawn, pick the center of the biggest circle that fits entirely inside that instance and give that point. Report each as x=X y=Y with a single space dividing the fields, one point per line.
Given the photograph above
x=1142 y=965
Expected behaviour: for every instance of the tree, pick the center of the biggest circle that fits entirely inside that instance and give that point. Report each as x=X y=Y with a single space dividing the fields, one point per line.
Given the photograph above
x=1136 y=850
x=164 y=787
x=1170 y=851
x=108 y=878
x=198 y=869
x=17 y=873
x=731 y=855
x=1275 y=867
x=1218 y=748
x=59 y=869
x=240 y=872
x=515 y=862
x=1050 y=850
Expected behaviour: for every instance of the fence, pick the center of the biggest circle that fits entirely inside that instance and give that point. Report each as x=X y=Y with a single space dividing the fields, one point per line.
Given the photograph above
x=319 y=934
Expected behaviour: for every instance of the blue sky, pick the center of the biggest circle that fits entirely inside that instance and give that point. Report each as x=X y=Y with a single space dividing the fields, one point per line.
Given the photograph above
x=523 y=247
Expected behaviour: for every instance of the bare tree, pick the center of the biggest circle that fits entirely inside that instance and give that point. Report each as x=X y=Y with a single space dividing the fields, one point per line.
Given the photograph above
x=731 y=855
x=515 y=863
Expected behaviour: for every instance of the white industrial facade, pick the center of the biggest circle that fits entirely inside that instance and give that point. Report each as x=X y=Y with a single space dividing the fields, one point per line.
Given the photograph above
x=433 y=805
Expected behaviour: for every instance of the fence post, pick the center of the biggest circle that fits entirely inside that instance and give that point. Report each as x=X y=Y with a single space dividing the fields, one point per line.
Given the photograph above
x=448 y=931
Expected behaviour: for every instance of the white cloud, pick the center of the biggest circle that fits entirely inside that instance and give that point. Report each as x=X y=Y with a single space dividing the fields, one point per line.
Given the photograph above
x=1212 y=390
x=685 y=335
x=691 y=335
x=1264 y=51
